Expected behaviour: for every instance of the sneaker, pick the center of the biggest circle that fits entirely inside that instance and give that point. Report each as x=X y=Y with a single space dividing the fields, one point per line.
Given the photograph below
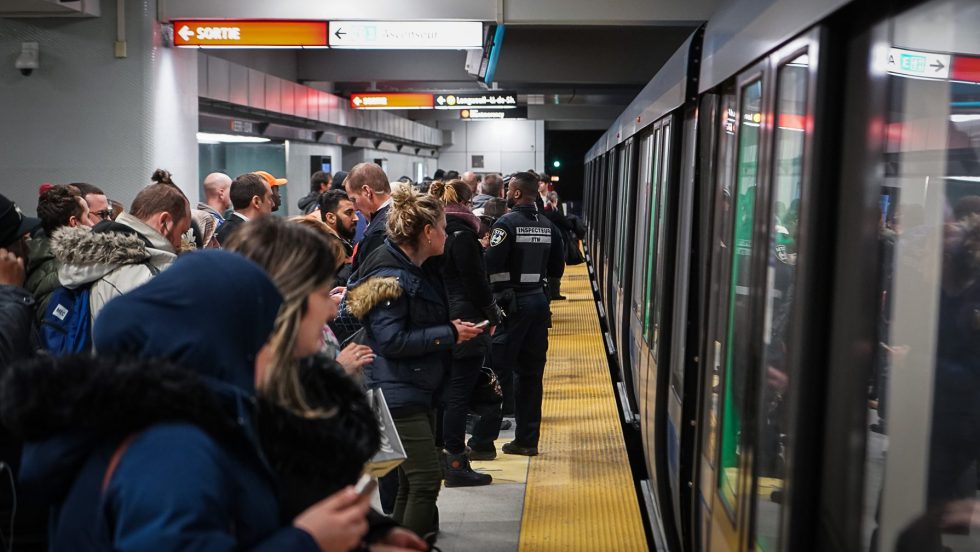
x=513 y=448
x=505 y=425
x=460 y=474
x=483 y=453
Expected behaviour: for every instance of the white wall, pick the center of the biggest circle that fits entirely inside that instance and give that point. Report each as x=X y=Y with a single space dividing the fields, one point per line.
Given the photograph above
x=86 y=116
x=396 y=164
x=298 y=168
x=507 y=146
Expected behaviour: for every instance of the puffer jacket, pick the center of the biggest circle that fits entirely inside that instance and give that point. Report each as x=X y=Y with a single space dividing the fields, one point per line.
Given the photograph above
x=405 y=314
x=113 y=257
x=42 y=274
x=309 y=202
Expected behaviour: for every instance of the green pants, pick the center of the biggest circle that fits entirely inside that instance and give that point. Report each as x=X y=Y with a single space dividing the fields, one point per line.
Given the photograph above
x=419 y=476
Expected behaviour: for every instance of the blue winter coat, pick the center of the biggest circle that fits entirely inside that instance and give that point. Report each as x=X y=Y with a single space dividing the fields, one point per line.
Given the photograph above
x=191 y=474
x=405 y=314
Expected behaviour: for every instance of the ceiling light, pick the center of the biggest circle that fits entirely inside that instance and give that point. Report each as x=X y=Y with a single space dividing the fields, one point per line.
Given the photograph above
x=209 y=138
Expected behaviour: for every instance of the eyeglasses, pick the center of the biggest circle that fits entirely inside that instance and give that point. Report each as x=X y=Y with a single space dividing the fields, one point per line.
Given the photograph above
x=104 y=214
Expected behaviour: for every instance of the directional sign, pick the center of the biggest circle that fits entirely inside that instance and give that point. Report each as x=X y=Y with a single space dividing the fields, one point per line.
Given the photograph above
x=375 y=100
x=499 y=100
x=406 y=35
x=918 y=64
x=250 y=34
x=490 y=114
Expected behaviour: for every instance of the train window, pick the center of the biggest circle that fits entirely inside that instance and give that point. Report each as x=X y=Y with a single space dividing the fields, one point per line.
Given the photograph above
x=651 y=256
x=786 y=182
x=737 y=360
x=923 y=443
x=642 y=209
x=659 y=277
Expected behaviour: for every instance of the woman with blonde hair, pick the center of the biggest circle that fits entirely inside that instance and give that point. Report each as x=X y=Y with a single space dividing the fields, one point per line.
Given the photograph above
x=302 y=263
x=470 y=299
x=398 y=294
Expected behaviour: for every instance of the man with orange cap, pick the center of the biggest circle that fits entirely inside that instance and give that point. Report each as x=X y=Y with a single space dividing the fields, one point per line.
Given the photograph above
x=274 y=183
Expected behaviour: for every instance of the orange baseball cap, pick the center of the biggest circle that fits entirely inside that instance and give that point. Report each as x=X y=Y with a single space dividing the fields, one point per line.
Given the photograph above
x=273 y=181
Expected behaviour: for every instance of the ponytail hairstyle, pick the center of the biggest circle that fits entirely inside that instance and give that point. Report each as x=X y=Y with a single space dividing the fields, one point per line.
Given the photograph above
x=299 y=260
x=162 y=176
x=454 y=191
x=410 y=212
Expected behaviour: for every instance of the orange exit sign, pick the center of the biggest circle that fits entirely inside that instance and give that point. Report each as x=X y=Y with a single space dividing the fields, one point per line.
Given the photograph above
x=249 y=34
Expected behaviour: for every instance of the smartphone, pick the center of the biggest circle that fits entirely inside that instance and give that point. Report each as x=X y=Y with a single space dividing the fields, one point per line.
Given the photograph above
x=365 y=485
x=483 y=324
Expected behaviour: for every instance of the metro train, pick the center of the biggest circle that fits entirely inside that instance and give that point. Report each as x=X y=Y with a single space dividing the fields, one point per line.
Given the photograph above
x=784 y=241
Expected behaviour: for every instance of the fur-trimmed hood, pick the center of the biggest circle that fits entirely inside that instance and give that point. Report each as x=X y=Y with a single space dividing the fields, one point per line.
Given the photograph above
x=87 y=255
x=362 y=298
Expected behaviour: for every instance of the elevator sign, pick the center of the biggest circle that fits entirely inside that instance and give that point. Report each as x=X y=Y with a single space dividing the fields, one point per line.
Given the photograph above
x=406 y=35
x=918 y=64
x=250 y=34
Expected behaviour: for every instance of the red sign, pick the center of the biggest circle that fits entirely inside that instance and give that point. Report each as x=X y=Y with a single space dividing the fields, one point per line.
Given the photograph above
x=250 y=34
x=376 y=100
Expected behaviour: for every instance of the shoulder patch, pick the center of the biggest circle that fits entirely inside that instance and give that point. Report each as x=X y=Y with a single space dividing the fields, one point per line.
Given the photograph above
x=498 y=236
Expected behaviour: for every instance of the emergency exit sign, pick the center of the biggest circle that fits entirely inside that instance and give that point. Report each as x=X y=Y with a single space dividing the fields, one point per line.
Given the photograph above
x=249 y=34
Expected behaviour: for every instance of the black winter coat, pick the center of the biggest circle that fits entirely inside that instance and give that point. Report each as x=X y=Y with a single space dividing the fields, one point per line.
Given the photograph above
x=405 y=314
x=465 y=274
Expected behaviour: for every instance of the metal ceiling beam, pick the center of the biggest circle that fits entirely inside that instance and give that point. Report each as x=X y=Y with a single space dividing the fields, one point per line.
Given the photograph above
x=514 y=12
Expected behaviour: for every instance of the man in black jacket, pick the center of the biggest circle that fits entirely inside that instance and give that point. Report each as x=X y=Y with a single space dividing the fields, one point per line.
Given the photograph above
x=367 y=186
x=524 y=252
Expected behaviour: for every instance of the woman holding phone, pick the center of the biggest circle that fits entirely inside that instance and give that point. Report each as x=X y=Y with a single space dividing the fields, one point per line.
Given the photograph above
x=465 y=274
x=398 y=294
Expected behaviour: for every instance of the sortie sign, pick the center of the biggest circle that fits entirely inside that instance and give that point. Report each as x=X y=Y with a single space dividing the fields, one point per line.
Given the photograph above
x=249 y=34
x=375 y=100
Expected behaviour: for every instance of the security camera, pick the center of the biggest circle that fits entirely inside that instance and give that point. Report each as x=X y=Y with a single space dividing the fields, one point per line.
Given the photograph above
x=29 y=58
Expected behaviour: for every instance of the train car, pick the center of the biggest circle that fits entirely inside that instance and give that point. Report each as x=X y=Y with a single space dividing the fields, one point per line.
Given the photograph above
x=789 y=254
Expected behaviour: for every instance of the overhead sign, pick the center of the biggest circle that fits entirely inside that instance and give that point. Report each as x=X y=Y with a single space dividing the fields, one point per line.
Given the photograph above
x=500 y=100
x=490 y=114
x=250 y=34
x=918 y=64
x=406 y=35
x=375 y=100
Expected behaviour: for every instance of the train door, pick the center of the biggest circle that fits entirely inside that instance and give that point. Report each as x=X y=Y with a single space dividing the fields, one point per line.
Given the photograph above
x=911 y=297
x=623 y=282
x=644 y=178
x=759 y=325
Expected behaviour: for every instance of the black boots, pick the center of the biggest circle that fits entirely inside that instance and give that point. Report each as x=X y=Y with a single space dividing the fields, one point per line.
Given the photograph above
x=458 y=472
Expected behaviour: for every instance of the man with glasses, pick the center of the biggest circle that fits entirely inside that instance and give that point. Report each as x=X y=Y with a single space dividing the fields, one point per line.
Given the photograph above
x=98 y=205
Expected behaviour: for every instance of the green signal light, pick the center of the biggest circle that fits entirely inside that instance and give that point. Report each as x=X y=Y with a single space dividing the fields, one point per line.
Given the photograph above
x=556 y=164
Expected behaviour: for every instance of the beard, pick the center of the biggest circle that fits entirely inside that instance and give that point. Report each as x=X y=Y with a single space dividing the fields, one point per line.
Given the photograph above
x=346 y=233
x=511 y=203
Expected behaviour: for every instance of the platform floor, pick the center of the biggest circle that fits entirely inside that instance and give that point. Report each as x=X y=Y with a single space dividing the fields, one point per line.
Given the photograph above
x=577 y=494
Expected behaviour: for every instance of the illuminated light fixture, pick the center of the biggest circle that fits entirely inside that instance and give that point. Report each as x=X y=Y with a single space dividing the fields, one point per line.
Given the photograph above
x=964 y=117
x=556 y=164
x=406 y=35
x=209 y=138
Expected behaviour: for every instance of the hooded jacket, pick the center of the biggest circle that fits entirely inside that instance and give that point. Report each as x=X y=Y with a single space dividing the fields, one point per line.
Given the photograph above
x=191 y=472
x=405 y=314
x=113 y=257
x=309 y=202
x=42 y=274
x=467 y=286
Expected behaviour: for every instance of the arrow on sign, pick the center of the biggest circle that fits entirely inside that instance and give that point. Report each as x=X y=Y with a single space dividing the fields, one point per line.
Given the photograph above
x=441 y=100
x=185 y=32
x=358 y=101
x=938 y=65
x=339 y=34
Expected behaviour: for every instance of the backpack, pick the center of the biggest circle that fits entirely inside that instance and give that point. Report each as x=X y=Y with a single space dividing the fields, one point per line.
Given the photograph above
x=67 y=324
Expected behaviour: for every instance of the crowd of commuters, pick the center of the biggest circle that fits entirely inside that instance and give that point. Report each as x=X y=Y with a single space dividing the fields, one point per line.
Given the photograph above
x=195 y=377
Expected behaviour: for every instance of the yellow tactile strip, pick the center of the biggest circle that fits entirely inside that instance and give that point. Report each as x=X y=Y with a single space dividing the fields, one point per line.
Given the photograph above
x=579 y=492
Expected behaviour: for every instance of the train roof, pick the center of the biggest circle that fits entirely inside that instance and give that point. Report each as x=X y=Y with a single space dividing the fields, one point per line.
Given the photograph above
x=664 y=93
x=742 y=31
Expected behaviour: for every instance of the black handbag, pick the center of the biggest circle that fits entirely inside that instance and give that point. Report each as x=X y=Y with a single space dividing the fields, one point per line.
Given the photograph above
x=487 y=396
